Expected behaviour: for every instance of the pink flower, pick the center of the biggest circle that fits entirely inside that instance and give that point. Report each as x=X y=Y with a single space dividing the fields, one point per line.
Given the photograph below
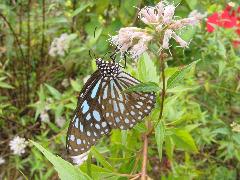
x=168 y=14
x=131 y=40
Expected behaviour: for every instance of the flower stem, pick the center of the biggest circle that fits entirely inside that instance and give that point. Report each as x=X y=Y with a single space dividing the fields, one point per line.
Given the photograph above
x=150 y=127
x=162 y=94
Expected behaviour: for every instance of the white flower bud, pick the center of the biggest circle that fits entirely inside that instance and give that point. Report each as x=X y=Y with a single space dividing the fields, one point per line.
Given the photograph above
x=167 y=36
x=181 y=42
x=18 y=145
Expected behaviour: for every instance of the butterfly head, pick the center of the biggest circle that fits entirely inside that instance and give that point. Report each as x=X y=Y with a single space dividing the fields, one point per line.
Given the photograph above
x=108 y=68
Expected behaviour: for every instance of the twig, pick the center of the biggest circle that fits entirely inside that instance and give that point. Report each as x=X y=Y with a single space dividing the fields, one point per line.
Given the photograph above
x=43 y=29
x=74 y=17
x=18 y=45
x=145 y=151
x=28 y=51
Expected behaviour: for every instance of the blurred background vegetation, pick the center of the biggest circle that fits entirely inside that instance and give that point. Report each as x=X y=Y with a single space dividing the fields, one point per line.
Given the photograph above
x=39 y=89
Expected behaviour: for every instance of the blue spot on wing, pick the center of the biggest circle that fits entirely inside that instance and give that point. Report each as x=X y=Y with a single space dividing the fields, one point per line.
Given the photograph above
x=85 y=107
x=122 y=108
x=96 y=115
x=112 y=90
x=95 y=90
x=76 y=121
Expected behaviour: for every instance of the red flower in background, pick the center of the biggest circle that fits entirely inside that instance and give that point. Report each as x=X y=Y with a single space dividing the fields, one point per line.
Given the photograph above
x=229 y=18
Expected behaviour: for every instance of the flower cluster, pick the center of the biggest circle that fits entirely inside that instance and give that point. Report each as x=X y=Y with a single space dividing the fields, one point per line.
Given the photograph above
x=235 y=127
x=2 y=160
x=60 y=121
x=228 y=18
x=44 y=117
x=65 y=83
x=131 y=39
x=18 y=145
x=161 y=18
x=60 y=45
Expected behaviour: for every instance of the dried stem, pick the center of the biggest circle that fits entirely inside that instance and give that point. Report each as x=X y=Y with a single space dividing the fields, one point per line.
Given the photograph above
x=144 y=163
x=20 y=50
x=28 y=51
x=43 y=29
x=74 y=18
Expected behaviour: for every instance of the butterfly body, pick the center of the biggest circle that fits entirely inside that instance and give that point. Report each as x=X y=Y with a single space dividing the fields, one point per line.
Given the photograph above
x=103 y=106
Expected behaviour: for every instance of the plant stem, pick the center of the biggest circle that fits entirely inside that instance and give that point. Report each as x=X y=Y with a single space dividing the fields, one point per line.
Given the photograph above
x=162 y=94
x=149 y=126
x=144 y=163
x=43 y=29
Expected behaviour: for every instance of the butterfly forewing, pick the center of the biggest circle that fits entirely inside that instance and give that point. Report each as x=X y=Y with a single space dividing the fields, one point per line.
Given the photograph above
x=88 y=124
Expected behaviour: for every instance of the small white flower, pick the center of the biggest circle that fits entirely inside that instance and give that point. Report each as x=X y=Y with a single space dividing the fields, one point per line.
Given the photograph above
x=181 y=42
x=44 y=117
x=79 y=160
x=235 y=127
x=192 y=20
x=166 y=38
x=197 y=15
x=138 y=49
x=168 y=14
x=18 y=145
x=60 y=45
x=65 y=83
x=2 y=160
x=60 y=121
x=149 y=15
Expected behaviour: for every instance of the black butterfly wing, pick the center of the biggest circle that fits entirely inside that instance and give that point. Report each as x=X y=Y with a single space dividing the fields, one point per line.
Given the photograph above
x=124 y=109
x=88 y=124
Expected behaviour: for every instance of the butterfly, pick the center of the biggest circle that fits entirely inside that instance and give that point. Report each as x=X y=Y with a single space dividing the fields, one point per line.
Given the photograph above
x=103 y=105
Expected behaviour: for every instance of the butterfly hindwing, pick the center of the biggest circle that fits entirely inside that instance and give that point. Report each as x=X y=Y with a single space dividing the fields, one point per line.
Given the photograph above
x=124 y=109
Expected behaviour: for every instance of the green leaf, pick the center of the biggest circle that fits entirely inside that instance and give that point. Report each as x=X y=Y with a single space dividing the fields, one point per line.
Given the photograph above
x=127 y=11
x=147 y=70
x=159 y=136
x=192 y=4
x=221 y=67
x=179 y=75
x=144 y=87
x=81 y=8
x=75 y=85
x=169 y=146
x=183 y=140
x=101 y=159
x=222 y=50
x=66 y=171
x=55 y=93
x=5 y=85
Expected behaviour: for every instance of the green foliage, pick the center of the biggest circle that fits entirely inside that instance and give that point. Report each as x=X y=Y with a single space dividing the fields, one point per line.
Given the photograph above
x=65 y=169
x=193 y=140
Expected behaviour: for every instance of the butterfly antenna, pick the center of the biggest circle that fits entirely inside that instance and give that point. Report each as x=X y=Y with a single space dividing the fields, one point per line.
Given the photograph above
x=114 y=54
x=125 y=59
